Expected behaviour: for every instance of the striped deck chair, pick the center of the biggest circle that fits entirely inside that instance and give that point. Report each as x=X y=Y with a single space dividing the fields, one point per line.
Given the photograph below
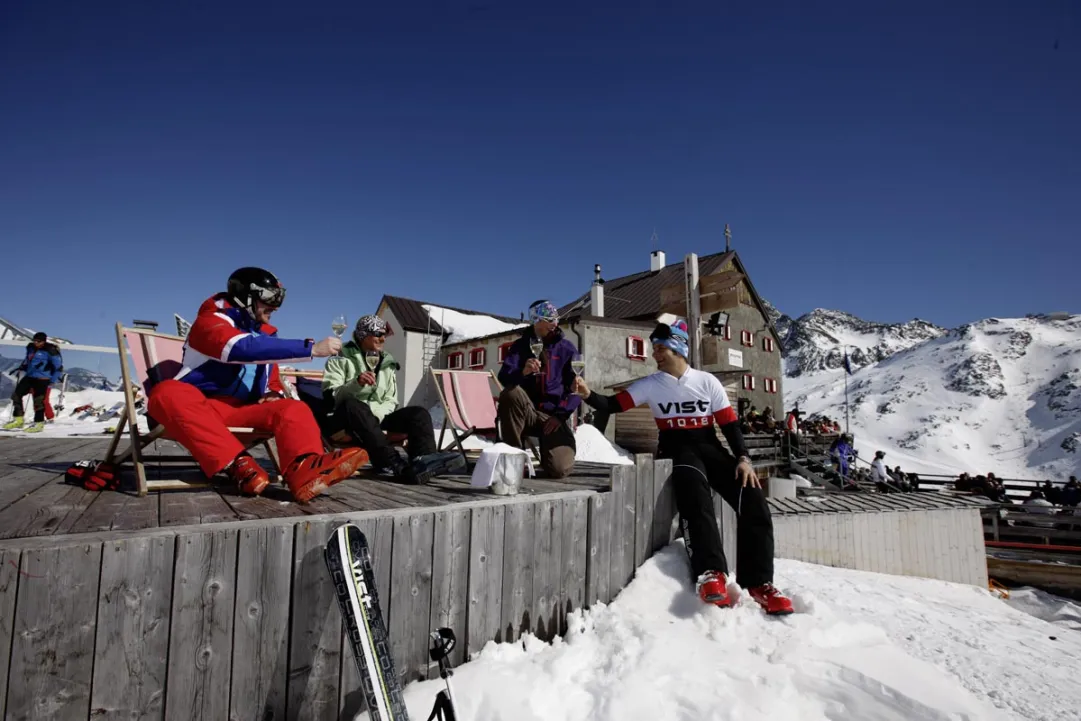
x=157 y=356
x=469 y=406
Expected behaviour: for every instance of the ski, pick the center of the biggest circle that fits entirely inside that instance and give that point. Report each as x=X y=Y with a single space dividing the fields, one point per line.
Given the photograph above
x=349 y=561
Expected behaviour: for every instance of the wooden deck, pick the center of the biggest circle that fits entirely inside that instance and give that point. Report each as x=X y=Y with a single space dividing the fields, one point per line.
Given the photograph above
x=35 y=500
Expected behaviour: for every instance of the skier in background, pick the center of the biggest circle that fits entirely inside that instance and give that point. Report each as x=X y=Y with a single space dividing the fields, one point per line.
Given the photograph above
x=42 y=367
x=686 y=403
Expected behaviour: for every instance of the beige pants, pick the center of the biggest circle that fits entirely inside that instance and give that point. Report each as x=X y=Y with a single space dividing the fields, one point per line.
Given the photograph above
x=518 y=419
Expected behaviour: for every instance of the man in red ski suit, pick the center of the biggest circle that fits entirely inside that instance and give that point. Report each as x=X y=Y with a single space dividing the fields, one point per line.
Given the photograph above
x=229 y=377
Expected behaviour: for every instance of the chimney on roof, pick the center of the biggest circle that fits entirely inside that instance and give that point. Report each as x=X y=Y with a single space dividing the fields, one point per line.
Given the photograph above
x=727 y=238
x=656 y=260
x=596 y=293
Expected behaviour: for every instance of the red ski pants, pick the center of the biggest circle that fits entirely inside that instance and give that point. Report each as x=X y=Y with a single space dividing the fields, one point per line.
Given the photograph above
x=201 y=424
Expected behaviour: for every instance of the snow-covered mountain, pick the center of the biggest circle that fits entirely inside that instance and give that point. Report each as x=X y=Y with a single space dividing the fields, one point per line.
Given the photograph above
x=82 y=379
x=998 y=395
x=817 y=340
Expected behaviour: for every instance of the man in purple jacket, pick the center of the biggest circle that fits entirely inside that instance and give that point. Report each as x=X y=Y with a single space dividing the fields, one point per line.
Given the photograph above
x=537 y=398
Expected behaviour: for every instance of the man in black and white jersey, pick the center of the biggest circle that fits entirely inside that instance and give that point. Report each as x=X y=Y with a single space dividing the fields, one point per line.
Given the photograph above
x=686 y=404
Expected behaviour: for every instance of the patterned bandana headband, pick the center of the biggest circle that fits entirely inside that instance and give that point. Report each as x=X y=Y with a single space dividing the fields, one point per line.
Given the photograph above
x=674 y=336
x=543 y=310
x=369 y=325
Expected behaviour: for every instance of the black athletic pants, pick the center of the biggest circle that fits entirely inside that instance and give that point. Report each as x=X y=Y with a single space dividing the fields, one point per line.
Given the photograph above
x=357 y=418
x=697 y=470
x=37 y=386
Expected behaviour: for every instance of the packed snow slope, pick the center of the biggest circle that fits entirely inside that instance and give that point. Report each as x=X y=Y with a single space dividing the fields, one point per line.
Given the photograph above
x=863 y=646
x=1000 y=395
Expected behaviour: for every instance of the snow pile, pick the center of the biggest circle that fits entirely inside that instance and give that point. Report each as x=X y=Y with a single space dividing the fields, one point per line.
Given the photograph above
x=1047 y=607
x=593 y=447
x=466 y=326
x=1000 y=395
x=69 y=423
x=863 y=646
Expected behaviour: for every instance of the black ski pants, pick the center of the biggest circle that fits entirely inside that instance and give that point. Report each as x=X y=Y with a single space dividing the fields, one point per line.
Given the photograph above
x=37 y=386
x=357 y=418
x=698 y=469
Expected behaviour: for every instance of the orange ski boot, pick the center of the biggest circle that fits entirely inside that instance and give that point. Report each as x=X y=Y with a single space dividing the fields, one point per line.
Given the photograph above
x=310 y=475
x=248 y=475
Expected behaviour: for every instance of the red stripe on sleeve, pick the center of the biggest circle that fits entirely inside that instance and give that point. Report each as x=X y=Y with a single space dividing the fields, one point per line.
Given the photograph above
x=726 y=416
x=625 y=401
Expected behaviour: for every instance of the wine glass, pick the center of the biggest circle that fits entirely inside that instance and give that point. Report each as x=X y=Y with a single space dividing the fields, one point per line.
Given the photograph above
x=578 y=365
x=537 y=346
x=371 y=357
x=338 y=325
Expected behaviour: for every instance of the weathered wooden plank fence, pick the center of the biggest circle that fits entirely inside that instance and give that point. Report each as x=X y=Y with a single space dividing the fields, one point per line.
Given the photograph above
x=238 y=620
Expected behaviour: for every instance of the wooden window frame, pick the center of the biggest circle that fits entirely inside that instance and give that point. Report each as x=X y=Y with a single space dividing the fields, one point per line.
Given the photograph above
x=748 y=382
x=455 y=356
x=770 y=385
x=632 y=341
x=483 y=357
x=767 y=344
x=501 y=352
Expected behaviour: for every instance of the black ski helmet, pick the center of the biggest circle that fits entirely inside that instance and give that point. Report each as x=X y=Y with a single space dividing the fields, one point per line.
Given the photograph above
x=250 y=284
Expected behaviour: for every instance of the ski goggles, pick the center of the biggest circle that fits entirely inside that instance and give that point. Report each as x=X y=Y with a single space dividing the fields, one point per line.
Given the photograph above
x=274 y=297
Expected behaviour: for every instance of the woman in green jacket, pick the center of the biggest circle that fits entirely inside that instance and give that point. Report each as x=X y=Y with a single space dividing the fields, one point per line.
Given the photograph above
x=363 y=381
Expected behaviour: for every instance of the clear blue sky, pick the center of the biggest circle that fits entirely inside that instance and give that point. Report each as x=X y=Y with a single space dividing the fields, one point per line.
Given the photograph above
x=921 y=160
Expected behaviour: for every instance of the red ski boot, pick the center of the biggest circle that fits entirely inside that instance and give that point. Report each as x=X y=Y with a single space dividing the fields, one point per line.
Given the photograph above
x=712 y=588
x=248 y=475
x=310 y=475
x=770 y=599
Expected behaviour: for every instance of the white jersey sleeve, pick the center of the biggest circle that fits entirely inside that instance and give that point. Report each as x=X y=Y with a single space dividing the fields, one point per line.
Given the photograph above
x=637 y=393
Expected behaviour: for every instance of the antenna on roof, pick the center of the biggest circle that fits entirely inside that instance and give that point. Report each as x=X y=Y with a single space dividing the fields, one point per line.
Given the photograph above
x=653 y=239
x=727 y=238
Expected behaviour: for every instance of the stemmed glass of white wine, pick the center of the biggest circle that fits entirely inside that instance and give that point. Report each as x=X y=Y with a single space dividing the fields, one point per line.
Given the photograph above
x=371 y=357
x=537 y=346
x=338 y=325
x=578 y=365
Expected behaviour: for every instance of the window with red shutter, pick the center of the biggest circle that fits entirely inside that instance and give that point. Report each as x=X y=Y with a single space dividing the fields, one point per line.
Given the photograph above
x=501 y=352
x=636 y=348
x=477 y=357
x=454 y=360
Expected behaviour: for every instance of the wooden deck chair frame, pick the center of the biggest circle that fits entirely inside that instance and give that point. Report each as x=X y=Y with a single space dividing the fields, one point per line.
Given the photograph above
x=139 y=441
x=459 y=435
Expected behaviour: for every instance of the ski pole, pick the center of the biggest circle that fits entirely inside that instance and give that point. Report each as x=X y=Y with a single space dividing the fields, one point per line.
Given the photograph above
x=443 y=642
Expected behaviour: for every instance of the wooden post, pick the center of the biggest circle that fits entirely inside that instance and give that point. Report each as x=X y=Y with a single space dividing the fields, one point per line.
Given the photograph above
x=694 y=312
